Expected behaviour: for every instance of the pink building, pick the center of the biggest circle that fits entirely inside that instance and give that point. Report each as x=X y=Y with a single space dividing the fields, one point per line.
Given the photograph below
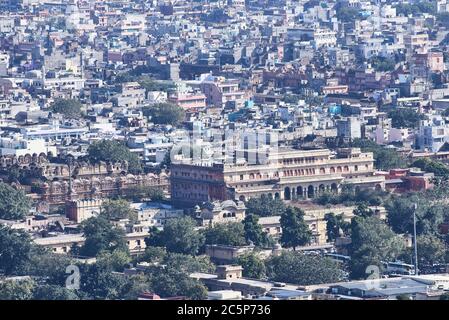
x=436 y=63
x=220 y=91
x=189 y=101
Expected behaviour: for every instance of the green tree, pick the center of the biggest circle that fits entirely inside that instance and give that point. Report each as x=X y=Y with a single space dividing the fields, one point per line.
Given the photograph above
x=116 y=260
x=363 y=210
x=384 y=159
x=179 y=235
x=171 y=283
x=188 y=263
x=373 y=242
x=431 y=250
x=145 y=193
x=295 y=231
x=382 y=64
x=297 y=268
x=415 y=8
x=151 y=85
x=15 y=250
x=428 y=165
x=265 y=206
x=51 y=266
x=152 y=254
x=113 y=151
x=171 y=276
x=68 y=107
x=135 y=286
x=118 y=209
x=165 y=113
x=100 y=236
x=253 y=266
x=347 y=14
x=254 y=232
x=290 y=98
x=431 y=212
x=405 y=118
x=327 y=197
x=335 y=223
x=230 y=234
x=400 y=213
x=17 y=289
x=53 y=292
x=100 y=284
x=14 y=204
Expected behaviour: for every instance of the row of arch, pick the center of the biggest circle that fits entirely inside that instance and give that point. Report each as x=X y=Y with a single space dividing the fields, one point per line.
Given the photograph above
x=306 y=172
x=228 y=214
x=304 y=192
x=300 y=192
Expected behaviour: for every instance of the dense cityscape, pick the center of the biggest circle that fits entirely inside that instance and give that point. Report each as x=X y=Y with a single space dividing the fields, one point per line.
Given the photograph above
x=224 y=150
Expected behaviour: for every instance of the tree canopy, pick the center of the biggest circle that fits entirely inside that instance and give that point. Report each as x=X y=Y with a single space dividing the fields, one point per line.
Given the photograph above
x=118 y=209
x=429 y=165
x=165 y=113
x=347 y=14
x=253 y=266
x=101 y=235
x=14 y=204
x=348 y=196
x=295 y=267
x=405 y=118
x=384 y=159
x=431 y=211
x=373 y=242
x=265 y=206
x=254 y=232
x=335 y=223
x=382 y=64
x=145 y=193
x=114 y=151
x=179 y=235
x=431 y=250
x=416 y=8
x=230 y=234
x=70 y=108
x=295 y=231
x=17 y=289
x=16 y=251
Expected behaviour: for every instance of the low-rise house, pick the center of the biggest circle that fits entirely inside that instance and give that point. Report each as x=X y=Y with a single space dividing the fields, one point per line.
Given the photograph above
x=63 y=243
x=211 y=213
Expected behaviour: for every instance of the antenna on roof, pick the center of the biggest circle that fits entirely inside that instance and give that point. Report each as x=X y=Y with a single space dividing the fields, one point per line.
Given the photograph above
x=415 y=206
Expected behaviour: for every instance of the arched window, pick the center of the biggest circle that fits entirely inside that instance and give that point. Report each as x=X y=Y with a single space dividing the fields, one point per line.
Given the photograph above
x=287 y=193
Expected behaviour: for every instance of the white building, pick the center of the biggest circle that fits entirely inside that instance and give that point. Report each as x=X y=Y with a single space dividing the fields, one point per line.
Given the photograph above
x=442 y=6
x=349 y=128
x=53 y=132
x=131 y=24
x=224 y=295
x=4 y=64
x=18 y=146
x=132 y=95
x=432 y=134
